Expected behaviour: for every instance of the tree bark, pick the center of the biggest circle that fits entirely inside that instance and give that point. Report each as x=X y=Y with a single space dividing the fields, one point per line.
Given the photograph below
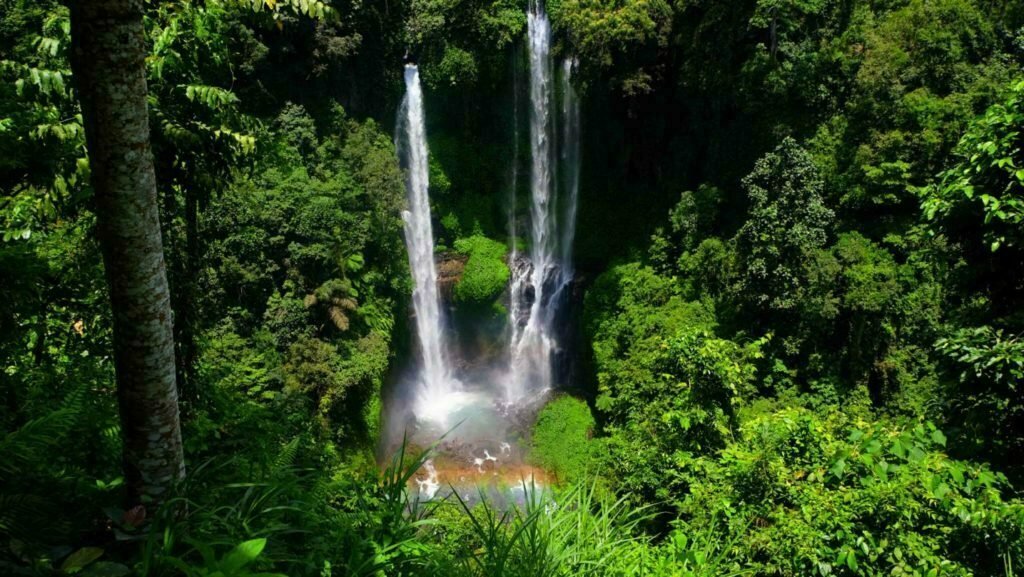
x=108 y=59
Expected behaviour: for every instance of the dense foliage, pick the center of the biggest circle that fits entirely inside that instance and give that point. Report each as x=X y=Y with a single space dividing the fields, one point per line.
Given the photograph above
x=801 y=268
x=485 y=274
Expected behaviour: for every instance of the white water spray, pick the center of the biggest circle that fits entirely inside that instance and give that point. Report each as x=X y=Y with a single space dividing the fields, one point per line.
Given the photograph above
x=428 y=484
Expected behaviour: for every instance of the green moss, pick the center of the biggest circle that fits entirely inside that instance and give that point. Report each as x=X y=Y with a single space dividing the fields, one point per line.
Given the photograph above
x=561 y=441
x=439 y=182
x=451 y=226
x=486 y=273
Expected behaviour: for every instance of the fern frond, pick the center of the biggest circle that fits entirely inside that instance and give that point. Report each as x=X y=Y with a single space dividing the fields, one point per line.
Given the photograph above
x=36 y=438
x=347 y=304
x=19 y=448
x=286 y=457
x=213 y=97
x=338 y=317
x=31 y=518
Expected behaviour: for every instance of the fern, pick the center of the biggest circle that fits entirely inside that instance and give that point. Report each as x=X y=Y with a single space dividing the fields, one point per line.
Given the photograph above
x=28 y=517
x=56 y=33
x=36 y=438
x=337 y=296
x=48 y=82
x=63 y=131
x=19 y=449
x=173 y=131
x=212 y=96
x=285 y=458
x=244 y=144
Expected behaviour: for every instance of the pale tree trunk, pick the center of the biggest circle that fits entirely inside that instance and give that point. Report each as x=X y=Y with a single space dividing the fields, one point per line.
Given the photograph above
x=108 y=54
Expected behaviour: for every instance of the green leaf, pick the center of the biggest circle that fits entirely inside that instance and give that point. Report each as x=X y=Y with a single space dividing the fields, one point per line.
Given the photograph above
x=838 y=468
x=79 y=559
x=242 y=555
x=898 y=449
x=355 y=262
x=956 y=470
x=916 y=455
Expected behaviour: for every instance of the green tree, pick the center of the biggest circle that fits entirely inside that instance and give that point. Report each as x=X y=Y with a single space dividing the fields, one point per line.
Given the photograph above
x=787 y=222
x=980 y=198
x=986 y=367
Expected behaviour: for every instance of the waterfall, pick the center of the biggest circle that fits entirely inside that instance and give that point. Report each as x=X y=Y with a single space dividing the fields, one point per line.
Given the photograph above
x=571 y=167
x=436 y=383
x=516 y=285
x=539 y=283
x=487 y=407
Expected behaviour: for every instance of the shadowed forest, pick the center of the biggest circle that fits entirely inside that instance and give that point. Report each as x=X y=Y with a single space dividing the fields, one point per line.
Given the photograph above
x=510 y=288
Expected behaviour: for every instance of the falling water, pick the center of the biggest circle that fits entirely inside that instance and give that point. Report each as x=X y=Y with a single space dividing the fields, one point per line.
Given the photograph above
x=479 y=423
x=514 y=173
x=518 y=305
x=436 y=384
x=571 y=168
x=541 y=281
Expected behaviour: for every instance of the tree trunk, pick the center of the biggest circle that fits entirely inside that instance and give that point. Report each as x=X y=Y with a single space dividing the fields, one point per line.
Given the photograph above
x=108 y=54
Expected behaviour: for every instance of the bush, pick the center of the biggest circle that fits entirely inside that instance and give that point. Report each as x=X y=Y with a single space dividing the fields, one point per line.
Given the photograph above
x=486 y=273
x=562 y=442
x=806 y=492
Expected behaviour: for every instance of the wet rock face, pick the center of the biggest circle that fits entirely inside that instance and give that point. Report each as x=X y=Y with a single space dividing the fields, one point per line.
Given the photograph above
x=522 y=271
x=567 y=357
x=561 y=293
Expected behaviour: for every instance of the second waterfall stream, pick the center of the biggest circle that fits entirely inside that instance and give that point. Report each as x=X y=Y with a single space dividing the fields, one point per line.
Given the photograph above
x=541 y=281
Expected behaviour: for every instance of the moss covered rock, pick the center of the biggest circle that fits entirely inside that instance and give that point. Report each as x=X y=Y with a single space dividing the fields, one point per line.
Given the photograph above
x=485 y=274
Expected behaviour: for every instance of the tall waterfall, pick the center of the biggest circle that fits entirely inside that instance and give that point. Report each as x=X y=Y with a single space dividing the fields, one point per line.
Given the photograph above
x=436 y=383
x=540 y=283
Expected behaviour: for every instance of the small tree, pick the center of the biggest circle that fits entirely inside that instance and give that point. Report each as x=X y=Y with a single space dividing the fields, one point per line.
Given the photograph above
x=788 y=221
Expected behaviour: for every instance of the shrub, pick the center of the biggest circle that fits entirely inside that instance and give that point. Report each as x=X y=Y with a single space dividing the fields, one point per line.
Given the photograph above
x=486 y=273
x=562 y=441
